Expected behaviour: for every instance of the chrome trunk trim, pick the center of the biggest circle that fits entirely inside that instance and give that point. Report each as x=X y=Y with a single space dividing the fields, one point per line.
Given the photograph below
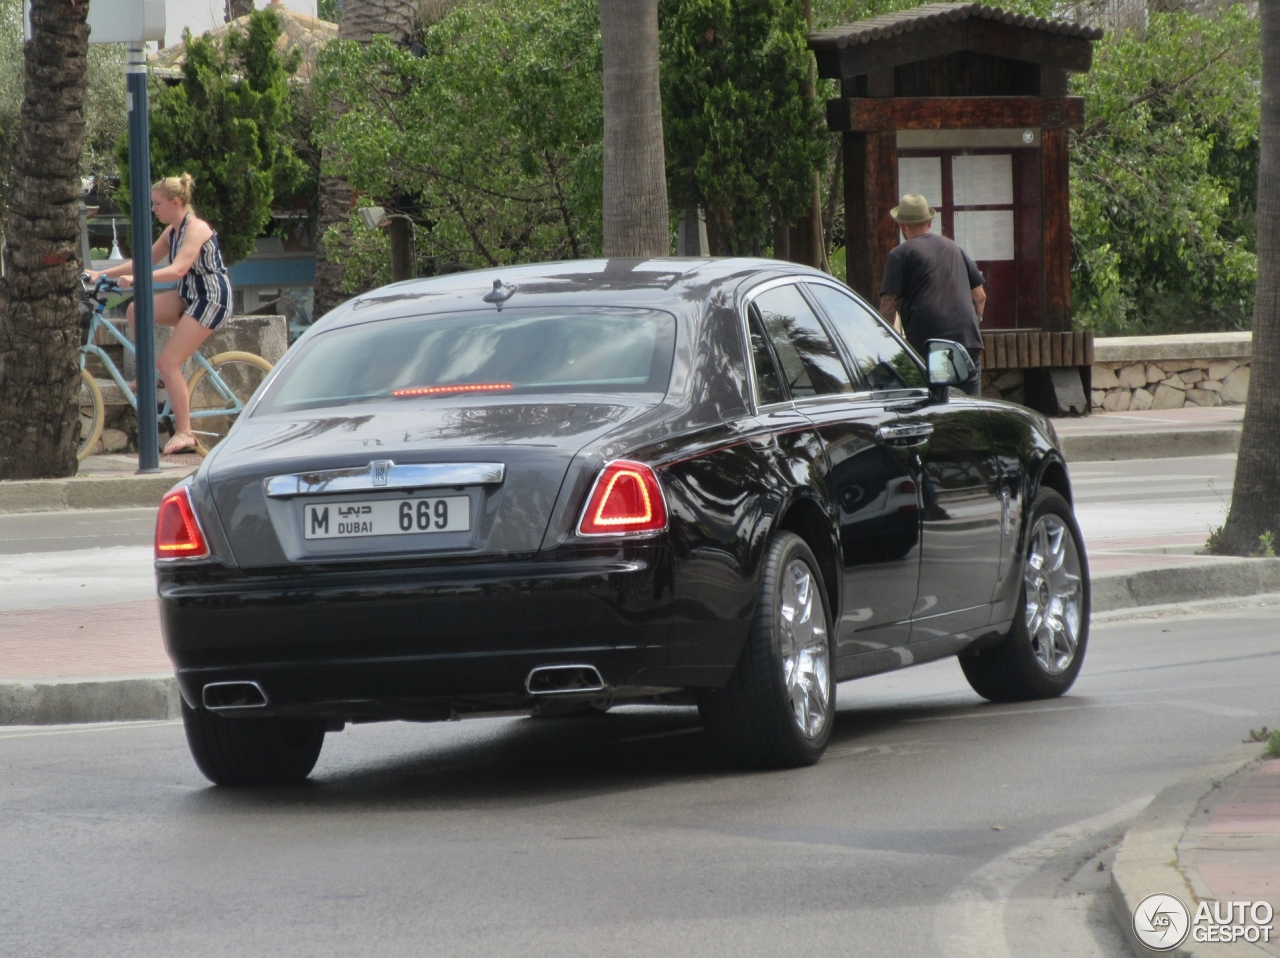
x=385 y=474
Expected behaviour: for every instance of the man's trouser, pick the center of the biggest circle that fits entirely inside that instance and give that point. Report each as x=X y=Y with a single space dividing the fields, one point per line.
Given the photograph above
x=973 y=387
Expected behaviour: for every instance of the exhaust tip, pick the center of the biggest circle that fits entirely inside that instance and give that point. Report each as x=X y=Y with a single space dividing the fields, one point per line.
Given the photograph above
x=563 y=679
x=224 y=696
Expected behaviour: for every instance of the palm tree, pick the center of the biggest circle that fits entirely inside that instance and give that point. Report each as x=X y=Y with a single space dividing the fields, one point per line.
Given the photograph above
x=1255 y=503
x=39 y=318
x=635 y=180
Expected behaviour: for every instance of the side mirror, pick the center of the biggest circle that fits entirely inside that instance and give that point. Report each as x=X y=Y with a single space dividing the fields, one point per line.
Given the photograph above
x=949 y=365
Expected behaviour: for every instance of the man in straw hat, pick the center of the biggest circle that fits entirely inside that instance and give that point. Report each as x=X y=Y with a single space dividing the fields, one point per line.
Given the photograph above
x=933 y=285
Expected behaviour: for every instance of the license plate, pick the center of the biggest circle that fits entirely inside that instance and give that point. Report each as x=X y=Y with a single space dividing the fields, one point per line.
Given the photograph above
x=386 y=517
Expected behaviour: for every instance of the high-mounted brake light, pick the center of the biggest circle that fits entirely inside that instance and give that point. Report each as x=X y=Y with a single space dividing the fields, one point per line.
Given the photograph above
x=456 y=388
x=626 y=499
x=178 y=534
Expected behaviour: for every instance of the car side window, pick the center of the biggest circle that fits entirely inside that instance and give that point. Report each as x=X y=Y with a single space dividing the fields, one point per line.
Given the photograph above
x=878 y=357
x=811 y=364
x=768 y=384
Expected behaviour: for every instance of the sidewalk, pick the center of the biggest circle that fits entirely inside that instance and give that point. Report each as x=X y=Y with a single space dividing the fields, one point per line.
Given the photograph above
x=1212 y=837
x=1151 y=433
x=103 y=482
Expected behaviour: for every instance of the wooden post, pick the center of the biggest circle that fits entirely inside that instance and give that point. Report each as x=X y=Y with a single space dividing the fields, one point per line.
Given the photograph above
x=870 y=191
x=1055 y=213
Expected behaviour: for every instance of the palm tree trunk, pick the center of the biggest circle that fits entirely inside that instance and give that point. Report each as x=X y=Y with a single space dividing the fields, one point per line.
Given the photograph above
x=362 y=20
x=636 y=221
x=1255 y=503
x=39 y=296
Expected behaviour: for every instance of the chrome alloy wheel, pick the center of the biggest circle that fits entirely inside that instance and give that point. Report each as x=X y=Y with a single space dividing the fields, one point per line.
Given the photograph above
x=1055 y=594
x=804 y=652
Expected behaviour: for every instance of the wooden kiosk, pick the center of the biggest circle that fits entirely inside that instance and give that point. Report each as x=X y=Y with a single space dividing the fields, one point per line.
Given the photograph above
x=967 y=104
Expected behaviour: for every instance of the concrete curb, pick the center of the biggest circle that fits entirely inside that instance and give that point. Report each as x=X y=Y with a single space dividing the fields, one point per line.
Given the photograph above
x=1105 y=447
x=74 y=701
x=1220 y=579
x=70 y=701
x=1146 y=863
x=84 y=492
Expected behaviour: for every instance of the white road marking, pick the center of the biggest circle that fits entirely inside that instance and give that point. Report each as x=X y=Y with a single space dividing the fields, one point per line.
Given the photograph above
x=1210 y=708
x=28 y=732
x=52 y=580
x=971 y=922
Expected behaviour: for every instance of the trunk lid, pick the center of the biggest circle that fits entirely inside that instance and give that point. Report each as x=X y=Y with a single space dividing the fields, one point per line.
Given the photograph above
x=533 y=440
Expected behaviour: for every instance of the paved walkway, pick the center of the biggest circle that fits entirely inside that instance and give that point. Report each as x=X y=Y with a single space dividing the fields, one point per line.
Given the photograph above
x=1152 y=420
x=1230 y=850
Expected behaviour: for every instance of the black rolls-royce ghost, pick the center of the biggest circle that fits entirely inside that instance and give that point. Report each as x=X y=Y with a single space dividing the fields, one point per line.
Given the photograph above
x=569 y=485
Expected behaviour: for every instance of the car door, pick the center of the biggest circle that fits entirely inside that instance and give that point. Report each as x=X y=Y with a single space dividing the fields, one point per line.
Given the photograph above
x=961 y=510
x=870 y=483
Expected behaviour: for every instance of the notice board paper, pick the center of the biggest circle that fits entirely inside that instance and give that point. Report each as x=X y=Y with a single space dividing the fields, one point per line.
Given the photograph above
x=986 y=234
x=982 y=180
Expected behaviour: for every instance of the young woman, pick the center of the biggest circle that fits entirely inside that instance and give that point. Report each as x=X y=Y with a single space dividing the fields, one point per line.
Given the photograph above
x=199 y=304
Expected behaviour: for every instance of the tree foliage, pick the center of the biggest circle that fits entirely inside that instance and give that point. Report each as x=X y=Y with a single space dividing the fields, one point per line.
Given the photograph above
x=226 y=124
x=490 y=139
x=742 y=137
x=1164 y=176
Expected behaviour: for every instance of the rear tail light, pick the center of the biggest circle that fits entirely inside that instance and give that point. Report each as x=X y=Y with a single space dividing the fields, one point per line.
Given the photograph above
x=178 y=534
x=625 y=499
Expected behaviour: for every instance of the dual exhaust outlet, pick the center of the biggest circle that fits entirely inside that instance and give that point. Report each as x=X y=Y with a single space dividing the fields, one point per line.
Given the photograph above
x=543 y=680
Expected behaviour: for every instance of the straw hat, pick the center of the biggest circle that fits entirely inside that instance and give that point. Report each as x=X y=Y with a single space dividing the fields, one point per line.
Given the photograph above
x=913 y=209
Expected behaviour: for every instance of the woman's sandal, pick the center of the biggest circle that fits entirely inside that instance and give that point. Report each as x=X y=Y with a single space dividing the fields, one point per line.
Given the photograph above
x=180 y=442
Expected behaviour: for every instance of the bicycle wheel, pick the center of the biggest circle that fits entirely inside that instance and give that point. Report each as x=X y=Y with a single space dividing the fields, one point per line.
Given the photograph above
x=93 y=414
x=216 y=401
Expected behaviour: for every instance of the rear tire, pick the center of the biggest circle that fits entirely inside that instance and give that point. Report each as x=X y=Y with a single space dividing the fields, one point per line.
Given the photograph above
x=1044 y=650
x=779 y=706
x=92 y=414
x=252 y=751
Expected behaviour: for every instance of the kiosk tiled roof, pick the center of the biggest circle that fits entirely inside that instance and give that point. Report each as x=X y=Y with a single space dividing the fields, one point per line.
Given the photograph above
x=936 y=14
x=297 y=32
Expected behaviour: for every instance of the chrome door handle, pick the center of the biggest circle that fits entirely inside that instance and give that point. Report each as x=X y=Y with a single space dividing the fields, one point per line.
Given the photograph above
x=905 y=434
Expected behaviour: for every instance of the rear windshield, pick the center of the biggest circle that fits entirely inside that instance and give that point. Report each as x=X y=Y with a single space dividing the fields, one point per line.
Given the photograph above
x=516 y=351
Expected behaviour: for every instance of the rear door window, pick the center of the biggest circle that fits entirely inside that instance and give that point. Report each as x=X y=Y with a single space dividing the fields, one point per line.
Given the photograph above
x=811 y=364
x=768 y=383
x=879 y=358
x=513 y=352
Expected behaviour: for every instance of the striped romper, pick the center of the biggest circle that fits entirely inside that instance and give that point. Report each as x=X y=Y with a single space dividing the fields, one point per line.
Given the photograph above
x=205 y=289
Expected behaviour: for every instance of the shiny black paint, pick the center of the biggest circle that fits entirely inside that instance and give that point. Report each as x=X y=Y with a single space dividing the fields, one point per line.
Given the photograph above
x=423 y=629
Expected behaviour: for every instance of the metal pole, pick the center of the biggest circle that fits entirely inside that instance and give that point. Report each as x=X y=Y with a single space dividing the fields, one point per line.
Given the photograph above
x=140 y=210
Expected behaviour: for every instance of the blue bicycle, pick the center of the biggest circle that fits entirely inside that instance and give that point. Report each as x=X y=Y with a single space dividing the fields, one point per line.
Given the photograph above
x=220 y=387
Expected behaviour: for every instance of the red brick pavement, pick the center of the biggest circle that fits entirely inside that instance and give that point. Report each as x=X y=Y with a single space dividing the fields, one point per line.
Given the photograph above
x=1238 y=855
x=85 y=641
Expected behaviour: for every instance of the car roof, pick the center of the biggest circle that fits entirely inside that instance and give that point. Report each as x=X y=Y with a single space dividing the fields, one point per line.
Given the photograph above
x=679 y=285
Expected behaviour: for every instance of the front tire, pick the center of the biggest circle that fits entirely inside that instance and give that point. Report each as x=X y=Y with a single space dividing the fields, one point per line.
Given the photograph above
x=1043 y=652
x=779 y=706
x=252 y=751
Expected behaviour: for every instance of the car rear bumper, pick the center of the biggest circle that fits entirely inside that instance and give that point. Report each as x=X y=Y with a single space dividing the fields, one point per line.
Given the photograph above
x=419 y=642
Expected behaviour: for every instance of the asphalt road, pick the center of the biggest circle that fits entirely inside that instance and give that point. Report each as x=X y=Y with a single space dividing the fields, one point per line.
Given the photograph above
x=936 y=824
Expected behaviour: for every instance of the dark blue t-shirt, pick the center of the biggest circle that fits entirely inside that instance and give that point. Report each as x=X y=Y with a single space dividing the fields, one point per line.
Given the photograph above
x=932 y=277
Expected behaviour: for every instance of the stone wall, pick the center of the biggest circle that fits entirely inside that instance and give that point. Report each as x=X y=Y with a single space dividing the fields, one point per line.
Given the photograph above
x=1167 y=372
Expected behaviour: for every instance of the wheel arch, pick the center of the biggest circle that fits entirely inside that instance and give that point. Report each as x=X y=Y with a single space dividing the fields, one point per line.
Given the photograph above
x=1053 y=475
x=804 y=516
